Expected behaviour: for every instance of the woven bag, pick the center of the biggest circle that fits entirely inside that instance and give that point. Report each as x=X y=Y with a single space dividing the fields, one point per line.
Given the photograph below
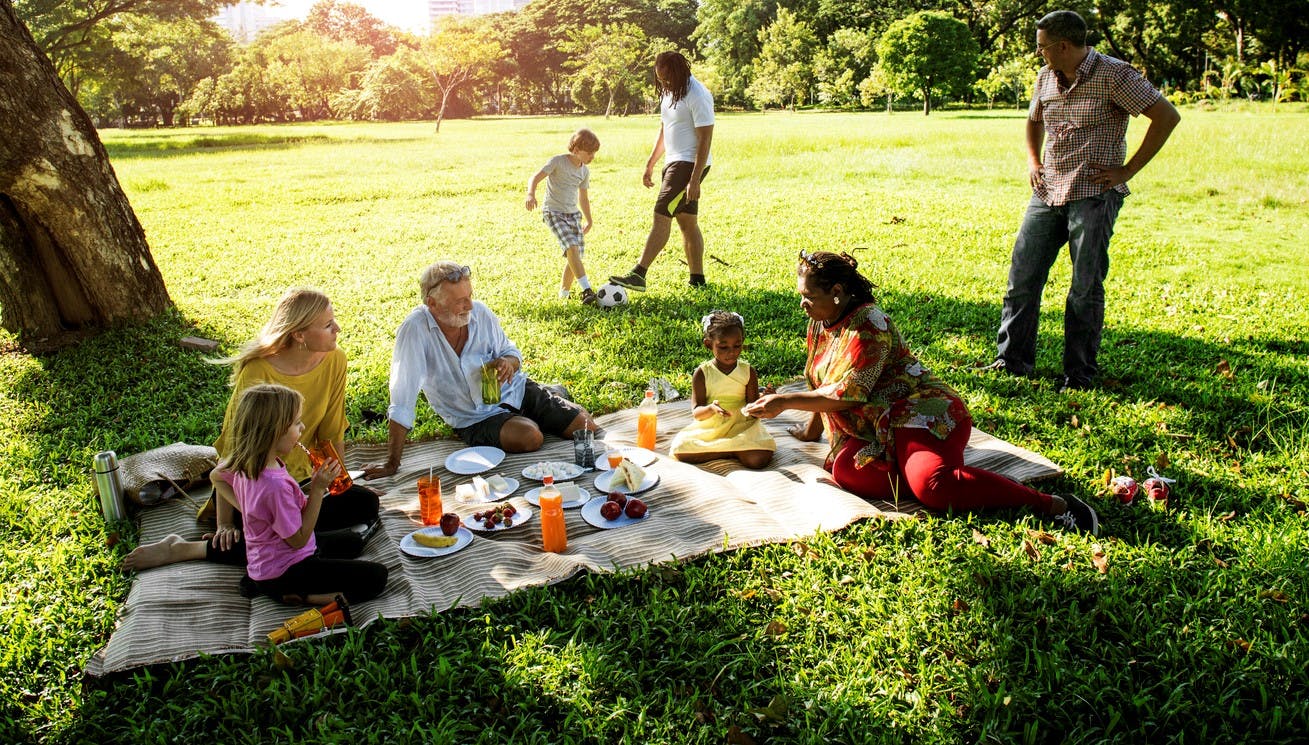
x=147 y=476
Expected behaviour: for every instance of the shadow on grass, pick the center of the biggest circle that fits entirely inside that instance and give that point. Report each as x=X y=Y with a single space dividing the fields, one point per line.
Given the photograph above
x=181 y=143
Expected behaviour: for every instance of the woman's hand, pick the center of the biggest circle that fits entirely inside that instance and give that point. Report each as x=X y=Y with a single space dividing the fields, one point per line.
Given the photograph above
x=325 y=474
x=225 y=537
x=765 y=407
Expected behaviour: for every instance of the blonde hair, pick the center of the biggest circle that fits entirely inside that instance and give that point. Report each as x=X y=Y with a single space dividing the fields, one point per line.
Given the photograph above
x=263 y=413
x=294 y=313
x=583 y=139
x=439 y=273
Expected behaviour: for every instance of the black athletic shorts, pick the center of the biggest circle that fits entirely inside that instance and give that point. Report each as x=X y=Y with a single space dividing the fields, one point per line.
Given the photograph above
x=672 y=192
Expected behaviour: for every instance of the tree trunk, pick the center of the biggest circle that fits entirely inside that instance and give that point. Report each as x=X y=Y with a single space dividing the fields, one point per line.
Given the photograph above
x=73 y=256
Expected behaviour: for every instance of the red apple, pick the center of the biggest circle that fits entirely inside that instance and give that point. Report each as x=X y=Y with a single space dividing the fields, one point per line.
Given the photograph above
x=635 y=508
x=618 y=497
x=449 y=523
x=611 y=510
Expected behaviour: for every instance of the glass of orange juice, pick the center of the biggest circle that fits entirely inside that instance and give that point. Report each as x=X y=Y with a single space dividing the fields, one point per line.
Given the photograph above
x=429 y=499
x=615 y=457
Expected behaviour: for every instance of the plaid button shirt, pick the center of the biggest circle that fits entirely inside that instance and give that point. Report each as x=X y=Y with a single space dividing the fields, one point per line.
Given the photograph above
x=1086 y=123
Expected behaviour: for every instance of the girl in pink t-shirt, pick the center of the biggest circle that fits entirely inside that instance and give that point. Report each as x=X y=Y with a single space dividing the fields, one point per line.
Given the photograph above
x=279 y=519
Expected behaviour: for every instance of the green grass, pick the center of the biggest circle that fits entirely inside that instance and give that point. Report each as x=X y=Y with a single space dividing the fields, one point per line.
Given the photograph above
x=911 y=631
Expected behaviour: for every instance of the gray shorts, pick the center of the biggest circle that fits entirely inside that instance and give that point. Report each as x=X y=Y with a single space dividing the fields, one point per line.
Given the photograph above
x=567 y=227
x=550 y=412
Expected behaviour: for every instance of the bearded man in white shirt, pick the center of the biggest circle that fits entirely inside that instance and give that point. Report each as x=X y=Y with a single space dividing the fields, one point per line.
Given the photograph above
x=441 y=348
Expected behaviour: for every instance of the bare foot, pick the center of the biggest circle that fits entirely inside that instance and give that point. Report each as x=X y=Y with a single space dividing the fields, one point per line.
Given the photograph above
x=169 y=550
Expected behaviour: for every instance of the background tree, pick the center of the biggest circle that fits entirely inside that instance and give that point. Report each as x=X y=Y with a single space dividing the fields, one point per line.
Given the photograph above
x=1012 y=79
x=728 y=38
x=63 y=27
x=155 y=65
x=928 y=52
x=842 y=64
x=783 y=71
x=72 y=254
x=389 y=90
x=308 y=70
x=456 y=53
x=341 y=21
x=612 y=58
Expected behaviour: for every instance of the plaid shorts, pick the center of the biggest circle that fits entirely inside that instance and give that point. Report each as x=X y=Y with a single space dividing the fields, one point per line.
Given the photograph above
x=567 y=227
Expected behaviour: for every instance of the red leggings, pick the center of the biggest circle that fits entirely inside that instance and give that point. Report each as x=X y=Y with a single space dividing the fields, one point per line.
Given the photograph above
x=933 y=471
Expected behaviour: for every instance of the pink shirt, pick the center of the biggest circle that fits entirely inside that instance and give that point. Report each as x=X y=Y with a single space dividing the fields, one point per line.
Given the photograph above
x=271 y=508
x=1086 y=123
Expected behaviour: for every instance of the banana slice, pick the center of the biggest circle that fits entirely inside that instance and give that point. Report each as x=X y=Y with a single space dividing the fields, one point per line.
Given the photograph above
x=435 y=541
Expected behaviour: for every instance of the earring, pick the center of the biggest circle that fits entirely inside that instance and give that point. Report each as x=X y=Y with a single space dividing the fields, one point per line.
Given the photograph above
x=836 y=300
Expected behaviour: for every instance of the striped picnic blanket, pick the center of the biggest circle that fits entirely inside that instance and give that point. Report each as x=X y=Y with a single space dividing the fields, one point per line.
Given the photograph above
x=183 y=610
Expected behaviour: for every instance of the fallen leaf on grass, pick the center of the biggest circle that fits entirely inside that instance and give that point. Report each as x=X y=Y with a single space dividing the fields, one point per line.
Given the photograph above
x=281 y=661
x=1227 y=516
x=847 y=580
x=1075 y=421
x=1099 y=558
x=1274 y=595
x=1221 y=564
x=1161 y=463
x=1224 y=369
x=1240 y=644
x=980 y=539
x=775 y=711
x=1108 y=476
x=736 y=737
x=869 y=554
x=775 y=628
x=1040 y=536
x=1031 y=551
x=746 y=594
x=959 y=606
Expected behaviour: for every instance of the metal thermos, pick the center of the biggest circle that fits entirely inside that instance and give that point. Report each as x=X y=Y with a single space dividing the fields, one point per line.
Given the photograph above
x=109 y=486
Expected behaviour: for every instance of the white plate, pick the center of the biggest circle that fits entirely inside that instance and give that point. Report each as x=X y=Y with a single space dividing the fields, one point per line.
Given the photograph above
x=562 y=470
x=414 y=548
x=474 y=460
x=603 y=478
x=591 y=514
x=534 y=496
x=512 y=487
x=639 y=456
x=520 y=517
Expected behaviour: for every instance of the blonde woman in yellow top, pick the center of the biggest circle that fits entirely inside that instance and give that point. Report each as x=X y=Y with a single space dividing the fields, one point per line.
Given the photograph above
x=295 y=348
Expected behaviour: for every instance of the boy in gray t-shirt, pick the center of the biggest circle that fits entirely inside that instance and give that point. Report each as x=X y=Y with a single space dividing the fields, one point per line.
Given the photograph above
x=567 y=180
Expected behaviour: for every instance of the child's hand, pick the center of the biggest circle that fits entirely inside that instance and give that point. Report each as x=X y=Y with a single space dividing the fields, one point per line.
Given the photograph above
x=586 y=228
x=718 y=409
x=531 y=202
x=768 y=390
x=325 y=474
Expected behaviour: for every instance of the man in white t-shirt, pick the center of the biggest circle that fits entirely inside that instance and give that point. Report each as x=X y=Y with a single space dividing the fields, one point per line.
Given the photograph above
x=686 y=127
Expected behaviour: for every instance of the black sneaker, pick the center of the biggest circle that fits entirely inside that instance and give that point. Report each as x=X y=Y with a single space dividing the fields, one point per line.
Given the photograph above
x=631 y=281
x=1075 y=384
x=1079 y=516
x=589 y=298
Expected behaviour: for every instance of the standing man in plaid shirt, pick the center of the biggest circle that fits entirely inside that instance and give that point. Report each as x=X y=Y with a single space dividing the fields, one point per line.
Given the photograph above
x=1080 y=110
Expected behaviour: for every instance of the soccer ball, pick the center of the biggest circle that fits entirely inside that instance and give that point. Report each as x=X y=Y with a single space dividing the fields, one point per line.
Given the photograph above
x=611 y=294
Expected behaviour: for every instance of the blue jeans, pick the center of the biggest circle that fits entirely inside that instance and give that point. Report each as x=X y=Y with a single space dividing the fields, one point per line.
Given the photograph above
x=1086 y=225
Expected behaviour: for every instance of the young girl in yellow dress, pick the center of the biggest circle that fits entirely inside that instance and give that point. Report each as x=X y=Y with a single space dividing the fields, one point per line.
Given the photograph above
x=720 y=387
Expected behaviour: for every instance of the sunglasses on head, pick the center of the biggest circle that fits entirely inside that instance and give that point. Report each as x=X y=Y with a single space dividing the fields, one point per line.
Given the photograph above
x=454 y=275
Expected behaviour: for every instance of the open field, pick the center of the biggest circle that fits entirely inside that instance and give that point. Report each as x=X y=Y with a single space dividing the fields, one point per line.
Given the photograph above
x=895 y=632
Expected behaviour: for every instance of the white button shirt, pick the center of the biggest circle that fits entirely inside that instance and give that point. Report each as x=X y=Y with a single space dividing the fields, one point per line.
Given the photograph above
x=424 y=360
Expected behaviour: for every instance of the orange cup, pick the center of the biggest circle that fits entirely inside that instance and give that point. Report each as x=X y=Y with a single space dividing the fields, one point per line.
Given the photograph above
x=323 y=452
x=615 y=457
x=429 y=499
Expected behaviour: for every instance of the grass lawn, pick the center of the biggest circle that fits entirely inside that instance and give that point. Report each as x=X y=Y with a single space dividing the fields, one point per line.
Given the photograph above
x=945 y=629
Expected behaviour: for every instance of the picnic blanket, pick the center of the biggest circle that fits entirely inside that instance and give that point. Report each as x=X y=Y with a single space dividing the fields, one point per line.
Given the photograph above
x=187 y=609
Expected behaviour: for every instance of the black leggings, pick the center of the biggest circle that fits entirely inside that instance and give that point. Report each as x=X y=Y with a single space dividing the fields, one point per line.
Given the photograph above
x=333 y=533
x=357 y=580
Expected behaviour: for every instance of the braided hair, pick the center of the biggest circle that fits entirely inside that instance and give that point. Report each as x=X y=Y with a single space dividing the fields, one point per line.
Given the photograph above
x=828 y=270
x=676 y=72
x=716 y=323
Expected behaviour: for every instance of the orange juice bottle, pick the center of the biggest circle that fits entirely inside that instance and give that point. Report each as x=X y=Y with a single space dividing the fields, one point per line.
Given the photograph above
x=647 y=418
x=554 y=536
x=322 y=453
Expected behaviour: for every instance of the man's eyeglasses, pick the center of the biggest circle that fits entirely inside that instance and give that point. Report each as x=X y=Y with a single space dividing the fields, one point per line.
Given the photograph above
x=1042 y=47
x=454 y=275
